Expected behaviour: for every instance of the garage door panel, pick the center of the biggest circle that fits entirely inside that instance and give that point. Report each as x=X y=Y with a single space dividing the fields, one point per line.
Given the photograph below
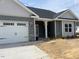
x=13 y=34
x=6 y=32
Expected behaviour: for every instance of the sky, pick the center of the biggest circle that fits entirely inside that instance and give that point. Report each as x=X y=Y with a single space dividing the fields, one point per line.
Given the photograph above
x=54 y=5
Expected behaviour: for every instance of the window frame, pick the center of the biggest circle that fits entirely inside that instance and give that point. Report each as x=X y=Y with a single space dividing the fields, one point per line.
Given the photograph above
x=68 y=28
x=21 y=24
x=8 y=24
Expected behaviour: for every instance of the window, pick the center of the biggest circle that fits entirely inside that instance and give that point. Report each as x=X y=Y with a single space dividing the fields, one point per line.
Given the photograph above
x=68 y=27
x=8 y=24
x=21 y=24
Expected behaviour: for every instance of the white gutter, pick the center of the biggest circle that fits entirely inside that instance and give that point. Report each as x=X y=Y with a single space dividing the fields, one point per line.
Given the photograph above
x=56 y=19
x=42 y=19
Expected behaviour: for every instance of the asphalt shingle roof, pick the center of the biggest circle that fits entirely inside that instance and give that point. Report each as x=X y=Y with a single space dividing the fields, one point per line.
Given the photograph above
x=43 y=13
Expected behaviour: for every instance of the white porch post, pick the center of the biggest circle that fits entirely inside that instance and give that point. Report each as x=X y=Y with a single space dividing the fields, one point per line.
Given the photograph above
x=46 y=34
x=62 y=29
x=55 y=29
x=34 y=30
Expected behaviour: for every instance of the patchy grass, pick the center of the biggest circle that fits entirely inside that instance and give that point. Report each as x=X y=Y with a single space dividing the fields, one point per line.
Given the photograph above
x=61 y=48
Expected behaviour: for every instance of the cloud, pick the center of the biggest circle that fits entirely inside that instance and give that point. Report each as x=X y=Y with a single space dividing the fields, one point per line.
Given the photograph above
x=27 y=2
x=56 y=5
x=76 y=1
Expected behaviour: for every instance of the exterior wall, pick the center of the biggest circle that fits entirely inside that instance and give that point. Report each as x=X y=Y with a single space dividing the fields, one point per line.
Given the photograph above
x=10 y=8
x=30 y=20
x=58 y=29
x=66 y=34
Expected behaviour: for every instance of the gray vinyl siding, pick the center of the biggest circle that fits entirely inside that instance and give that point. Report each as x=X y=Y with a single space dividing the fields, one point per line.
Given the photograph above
x=77 y=23
x=58 y=29
x=30 y=20
x=74 y=28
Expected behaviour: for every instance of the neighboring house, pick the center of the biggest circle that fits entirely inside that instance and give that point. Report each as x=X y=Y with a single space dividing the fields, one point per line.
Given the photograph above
x=19 y=23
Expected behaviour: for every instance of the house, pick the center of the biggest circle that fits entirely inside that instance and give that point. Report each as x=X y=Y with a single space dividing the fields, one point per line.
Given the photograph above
x=51 y=24
x=19 y=23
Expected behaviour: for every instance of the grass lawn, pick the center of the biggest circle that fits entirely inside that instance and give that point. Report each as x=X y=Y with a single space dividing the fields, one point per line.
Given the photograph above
x=61 y=48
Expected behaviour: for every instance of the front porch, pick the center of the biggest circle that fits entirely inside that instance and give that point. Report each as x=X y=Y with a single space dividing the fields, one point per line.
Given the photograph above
x=46 y=29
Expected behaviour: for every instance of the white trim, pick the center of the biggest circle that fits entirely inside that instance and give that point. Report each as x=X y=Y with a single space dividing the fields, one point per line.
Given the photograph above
x=19 y=3
x=42 y=19
x=62 y=28
x=46 y=19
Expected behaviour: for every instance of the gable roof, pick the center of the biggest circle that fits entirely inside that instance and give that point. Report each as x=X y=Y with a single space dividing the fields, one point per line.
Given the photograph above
x=42 y=13
x=59 y=13
x=65 y=11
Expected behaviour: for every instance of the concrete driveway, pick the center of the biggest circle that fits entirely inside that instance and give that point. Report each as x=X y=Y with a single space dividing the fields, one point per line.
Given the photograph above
x=23 y=52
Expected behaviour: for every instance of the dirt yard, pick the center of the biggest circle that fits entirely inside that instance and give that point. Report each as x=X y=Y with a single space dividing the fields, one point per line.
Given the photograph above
x=61 y=48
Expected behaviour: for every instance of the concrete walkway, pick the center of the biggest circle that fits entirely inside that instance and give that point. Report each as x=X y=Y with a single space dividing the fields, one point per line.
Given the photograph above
x=23 y=52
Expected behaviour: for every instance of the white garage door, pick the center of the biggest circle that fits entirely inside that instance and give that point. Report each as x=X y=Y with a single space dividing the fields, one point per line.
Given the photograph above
x=12 y=32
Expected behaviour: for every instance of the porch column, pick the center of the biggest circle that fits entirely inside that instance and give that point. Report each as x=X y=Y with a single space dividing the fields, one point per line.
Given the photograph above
x=55 y=29
x=46 y=34
x=34 y=30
